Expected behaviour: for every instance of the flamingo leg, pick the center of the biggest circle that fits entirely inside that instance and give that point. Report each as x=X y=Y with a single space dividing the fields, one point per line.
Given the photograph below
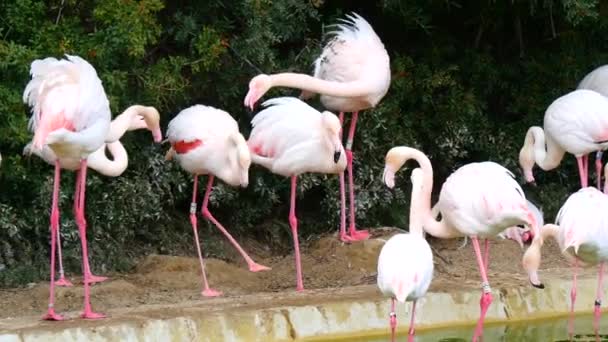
x=486 y=296
x=598 y=169
x=88 y=276
x=598 y=301
x=392 y=319
x=411 y=333
x=82 y=230
x=293 y=222
x=486 y=254
x=343 y=236
x=355 y=235
x=207 y=292
x=572 y=298
x=51 y=315
x=62 y=281
x=253 y=266
x=582 y=171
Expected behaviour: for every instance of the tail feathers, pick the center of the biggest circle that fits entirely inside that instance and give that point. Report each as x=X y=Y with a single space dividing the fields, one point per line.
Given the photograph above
x=402 y=289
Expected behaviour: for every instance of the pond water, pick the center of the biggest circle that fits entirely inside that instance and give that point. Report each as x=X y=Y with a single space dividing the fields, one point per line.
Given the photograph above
x=555 y=330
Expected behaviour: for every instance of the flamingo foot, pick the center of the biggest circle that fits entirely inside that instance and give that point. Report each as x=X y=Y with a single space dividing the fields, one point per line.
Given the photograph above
x=393 y=324
x=597 y=312
x=300 y=288
x=410 y=337
x=211 y=293
x=484 y=303
x=358 y=235
x=63 y=282
x=255 y=267
x=52 y=316
x=88 y=314
x=92 y=279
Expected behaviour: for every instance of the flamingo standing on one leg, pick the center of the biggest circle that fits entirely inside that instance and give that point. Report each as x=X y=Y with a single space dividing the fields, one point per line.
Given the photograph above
x=134 y=117
x=576 y=123
x=405 y=264
x=479 y=200
x=289 y=138
x=70 y=114
x=597 y=80
x=351 y=74
x=581 y=230
x=205 y=140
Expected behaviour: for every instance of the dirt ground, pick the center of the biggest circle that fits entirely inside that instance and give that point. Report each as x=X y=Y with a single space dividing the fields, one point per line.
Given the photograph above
x=326 y=263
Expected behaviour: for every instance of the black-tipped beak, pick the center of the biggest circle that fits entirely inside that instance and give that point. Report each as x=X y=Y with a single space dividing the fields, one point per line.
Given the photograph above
x=533 y=183
x=538 y=286
x=336 y=156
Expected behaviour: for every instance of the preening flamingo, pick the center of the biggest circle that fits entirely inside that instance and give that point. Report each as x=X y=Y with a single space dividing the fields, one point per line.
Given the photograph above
x=597 y=80
x=289 y=138
x=70 y=114
x=206 y=141
x=581 y=230
x=479 y=200
x=351 y=74
x=134 y=117
x=576 y=123
x=405 y=264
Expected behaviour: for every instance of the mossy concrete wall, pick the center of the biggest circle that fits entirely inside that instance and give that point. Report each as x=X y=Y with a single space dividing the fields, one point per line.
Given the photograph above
x=366 y=313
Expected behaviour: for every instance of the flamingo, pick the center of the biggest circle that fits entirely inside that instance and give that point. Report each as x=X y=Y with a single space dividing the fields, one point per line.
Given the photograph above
x=597 y=80
x=206 y=140
x=411 y=280
x=581 y=230
x=576 y=123
x=479 y=200
x=134 y=117
x=70 y=114
x=351 y=74
x=289 y=138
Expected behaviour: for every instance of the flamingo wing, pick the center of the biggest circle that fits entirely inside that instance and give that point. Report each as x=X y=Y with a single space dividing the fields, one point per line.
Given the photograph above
x=200 y=123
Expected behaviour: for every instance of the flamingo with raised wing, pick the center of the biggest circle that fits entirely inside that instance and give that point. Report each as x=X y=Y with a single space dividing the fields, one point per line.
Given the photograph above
x=479 y=200
x=405 y=263
x=70 y=114
x=576 y=123
x=133 y=118
x=290 y=138
x=206 y=141
x=351 y=74
x=581 y=231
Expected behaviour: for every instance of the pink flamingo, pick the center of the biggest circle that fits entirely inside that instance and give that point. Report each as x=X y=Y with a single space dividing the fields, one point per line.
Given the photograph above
x=351 y=74
x=405 y=264
x=205 y=140
x=70 y=114
x=479 y=200
x=576 y=123
x=134 y=117
x=289 y=138
x=582 y=234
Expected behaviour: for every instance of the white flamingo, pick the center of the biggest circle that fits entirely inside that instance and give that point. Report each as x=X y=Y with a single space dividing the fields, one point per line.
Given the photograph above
x=351 y=74
x=479 y=200
x=206 y=141
x=405 y=264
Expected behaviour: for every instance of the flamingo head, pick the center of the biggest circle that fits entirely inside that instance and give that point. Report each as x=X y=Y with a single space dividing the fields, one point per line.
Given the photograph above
x=243 y=158
x=392 y=163
x=531 y=263
x=258 y=86
x=526 y=162
x=152 y=119
x=333 y=127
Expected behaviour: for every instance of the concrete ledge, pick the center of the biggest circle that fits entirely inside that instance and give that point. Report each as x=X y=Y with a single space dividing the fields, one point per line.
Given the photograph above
x=357 y=310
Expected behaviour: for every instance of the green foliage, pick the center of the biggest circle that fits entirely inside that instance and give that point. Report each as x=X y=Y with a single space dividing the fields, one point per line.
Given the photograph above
x=468 y=79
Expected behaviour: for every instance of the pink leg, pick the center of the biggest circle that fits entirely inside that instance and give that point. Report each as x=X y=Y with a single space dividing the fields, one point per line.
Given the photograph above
x=572 y=298
x=62 y=281
x=207 y=292
x=582 y=171
x=486 y=296
x=343 y=236
x=355 y=235
x=82 y=230
x=598 y=169
x=88 y=276
x=486 y=254
x=51 y=315
x=293 y=222
x=598 y=301
x=393 y=319
x=253 y=266
x=411 y=333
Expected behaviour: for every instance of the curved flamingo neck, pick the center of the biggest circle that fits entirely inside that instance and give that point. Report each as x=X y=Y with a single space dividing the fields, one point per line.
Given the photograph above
x=317 y=85
x=99 y=162
x=547 y=154
x=123 y=122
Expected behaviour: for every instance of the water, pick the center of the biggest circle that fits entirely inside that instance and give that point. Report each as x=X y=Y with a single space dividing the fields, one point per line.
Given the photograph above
x=555 y=330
